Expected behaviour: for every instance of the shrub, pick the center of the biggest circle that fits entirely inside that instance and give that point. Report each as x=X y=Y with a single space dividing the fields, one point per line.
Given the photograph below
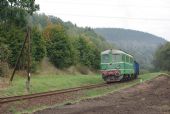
x=4 y=53
x=59 y=48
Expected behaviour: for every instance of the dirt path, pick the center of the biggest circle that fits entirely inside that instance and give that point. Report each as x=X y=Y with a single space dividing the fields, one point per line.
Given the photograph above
x=147 y=98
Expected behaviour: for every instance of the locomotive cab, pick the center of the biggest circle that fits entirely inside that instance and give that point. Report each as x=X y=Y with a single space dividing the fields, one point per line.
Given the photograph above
x=115 y=65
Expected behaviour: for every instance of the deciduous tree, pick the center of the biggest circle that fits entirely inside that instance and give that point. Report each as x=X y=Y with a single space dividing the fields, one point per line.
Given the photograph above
x=59 y=48
x=162 y=57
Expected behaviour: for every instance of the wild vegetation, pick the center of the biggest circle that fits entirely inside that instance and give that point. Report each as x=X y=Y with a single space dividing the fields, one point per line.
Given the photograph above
x=70 y=44
x=13 y=22
x=63 y=43
x=162 y=57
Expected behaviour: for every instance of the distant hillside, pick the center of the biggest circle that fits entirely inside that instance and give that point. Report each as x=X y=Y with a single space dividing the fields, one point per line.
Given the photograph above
x=42 y=21
x=140 y=44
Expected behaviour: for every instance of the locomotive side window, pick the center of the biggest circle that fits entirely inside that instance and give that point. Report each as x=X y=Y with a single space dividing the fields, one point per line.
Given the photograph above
x=105 y=58
x=131 y=60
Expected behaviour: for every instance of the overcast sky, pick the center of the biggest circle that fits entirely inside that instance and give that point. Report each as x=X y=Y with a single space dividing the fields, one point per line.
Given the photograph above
x=151 y=16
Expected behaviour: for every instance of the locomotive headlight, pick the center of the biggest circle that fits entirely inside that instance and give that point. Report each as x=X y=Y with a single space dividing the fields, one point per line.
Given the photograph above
x=117 y=73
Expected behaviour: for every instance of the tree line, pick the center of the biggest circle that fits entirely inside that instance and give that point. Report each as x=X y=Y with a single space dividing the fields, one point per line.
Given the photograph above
x=63 y=43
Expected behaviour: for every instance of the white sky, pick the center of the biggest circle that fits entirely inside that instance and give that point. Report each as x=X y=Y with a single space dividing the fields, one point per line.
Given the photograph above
x=152 y=16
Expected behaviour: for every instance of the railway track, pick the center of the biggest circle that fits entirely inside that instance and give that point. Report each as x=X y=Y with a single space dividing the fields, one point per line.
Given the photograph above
x=36 y=95
x=49 y=93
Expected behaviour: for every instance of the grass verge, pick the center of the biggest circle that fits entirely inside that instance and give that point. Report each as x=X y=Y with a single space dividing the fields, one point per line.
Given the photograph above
x=48 y=83
x=88 y=94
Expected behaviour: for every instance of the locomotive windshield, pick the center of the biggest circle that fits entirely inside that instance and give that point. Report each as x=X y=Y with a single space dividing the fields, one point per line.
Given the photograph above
x=117 y=58
x=105 y=58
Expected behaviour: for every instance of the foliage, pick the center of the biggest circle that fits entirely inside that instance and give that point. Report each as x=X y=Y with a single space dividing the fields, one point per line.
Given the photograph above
x=67 y=52
x=14 y=17
x=89 y=55
x=162 y=57
x=38 y=45
x=59 y=48
x=13 y=38
x=38 y=48
x=16 y=11
x=65 y=43
x=42 y=20
x=4 y=54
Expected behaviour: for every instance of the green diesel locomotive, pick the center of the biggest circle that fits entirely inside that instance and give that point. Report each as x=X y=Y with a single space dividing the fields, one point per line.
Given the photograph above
x=117 y=65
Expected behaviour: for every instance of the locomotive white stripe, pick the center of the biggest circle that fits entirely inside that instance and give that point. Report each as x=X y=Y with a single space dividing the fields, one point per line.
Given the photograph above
x=117 y=63
x=116 y=69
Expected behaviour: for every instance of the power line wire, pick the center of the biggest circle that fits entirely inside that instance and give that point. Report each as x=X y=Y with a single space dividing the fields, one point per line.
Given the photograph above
x=105 y=4
x=128 y=18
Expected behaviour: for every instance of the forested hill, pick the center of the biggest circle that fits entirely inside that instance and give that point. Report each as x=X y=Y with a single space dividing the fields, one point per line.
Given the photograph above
x=140 y=44
x=72 y=30
x=63 y=43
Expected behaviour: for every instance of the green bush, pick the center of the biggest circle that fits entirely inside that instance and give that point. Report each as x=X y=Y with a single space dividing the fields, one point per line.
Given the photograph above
x=4 y=53
x=38 y=48
x=88 y=54
x=4 y=69
x=59 y=48
x=162 y=57
x=13 y=40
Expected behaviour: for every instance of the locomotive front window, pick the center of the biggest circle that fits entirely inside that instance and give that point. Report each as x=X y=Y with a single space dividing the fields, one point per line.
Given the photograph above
x=123 y=58
x=127 y=59
x=131 y=60
x=105 y=58
x=117 y=58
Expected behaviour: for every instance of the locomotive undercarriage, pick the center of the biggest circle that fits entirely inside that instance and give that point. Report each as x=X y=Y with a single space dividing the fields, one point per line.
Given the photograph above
x=113 y=78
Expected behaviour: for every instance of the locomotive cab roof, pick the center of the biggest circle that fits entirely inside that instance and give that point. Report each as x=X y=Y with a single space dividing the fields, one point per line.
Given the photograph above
x=115 y=51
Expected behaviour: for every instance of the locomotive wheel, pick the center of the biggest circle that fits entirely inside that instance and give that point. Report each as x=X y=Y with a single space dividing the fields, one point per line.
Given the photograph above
x=124 y=78
x=136 y=76
x=129 y=78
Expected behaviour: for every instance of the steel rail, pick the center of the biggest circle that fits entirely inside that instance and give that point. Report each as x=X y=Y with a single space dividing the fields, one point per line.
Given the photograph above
x=49 y=93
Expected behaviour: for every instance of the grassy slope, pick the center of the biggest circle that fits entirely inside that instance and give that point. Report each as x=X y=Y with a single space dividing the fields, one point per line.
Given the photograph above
x=53 y=82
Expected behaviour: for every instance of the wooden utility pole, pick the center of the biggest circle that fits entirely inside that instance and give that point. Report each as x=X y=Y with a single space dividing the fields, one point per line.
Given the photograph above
x=28 y=46
x=18 y=59
x=29 y=61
